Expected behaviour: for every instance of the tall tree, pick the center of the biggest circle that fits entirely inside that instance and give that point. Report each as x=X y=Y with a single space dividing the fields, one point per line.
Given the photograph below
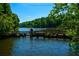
x=9 y=21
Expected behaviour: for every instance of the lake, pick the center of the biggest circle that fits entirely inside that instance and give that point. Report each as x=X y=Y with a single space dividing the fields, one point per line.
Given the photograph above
x=28 y=29
x=27 y=46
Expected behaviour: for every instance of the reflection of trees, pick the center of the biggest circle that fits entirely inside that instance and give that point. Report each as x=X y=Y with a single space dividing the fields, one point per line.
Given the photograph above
x=74 y=46
x=31 y=42
x=5 y=46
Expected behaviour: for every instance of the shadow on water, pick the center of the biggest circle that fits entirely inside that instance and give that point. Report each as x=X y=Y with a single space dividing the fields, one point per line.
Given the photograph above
x=6 y=46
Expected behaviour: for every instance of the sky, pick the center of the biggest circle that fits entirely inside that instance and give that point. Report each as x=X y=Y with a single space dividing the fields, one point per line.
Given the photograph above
x=31 y=11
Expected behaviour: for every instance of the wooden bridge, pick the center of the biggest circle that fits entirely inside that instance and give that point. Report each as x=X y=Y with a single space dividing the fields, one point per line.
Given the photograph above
x=41 y=34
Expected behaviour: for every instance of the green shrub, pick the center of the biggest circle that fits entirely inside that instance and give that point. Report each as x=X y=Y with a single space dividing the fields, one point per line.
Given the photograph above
x=71 y=32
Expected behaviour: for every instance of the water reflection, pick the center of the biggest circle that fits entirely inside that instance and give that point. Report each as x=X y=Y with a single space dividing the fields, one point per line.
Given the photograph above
x=37 y=46
x=34 y=46
x=6 y=46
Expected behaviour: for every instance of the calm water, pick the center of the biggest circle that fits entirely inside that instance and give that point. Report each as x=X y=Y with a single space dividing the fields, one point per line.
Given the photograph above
x=34 y=29
x=24 y=46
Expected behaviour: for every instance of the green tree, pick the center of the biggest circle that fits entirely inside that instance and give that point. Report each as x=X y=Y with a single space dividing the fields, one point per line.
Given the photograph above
x=9 y=22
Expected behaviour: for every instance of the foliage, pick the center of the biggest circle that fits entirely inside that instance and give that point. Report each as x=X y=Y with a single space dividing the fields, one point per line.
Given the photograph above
x=68 y=13
x=9 y=22
x=71 y=32
x=43 y=22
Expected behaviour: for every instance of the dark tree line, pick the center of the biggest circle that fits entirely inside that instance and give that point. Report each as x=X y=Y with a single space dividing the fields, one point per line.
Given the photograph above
x=43 y=22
